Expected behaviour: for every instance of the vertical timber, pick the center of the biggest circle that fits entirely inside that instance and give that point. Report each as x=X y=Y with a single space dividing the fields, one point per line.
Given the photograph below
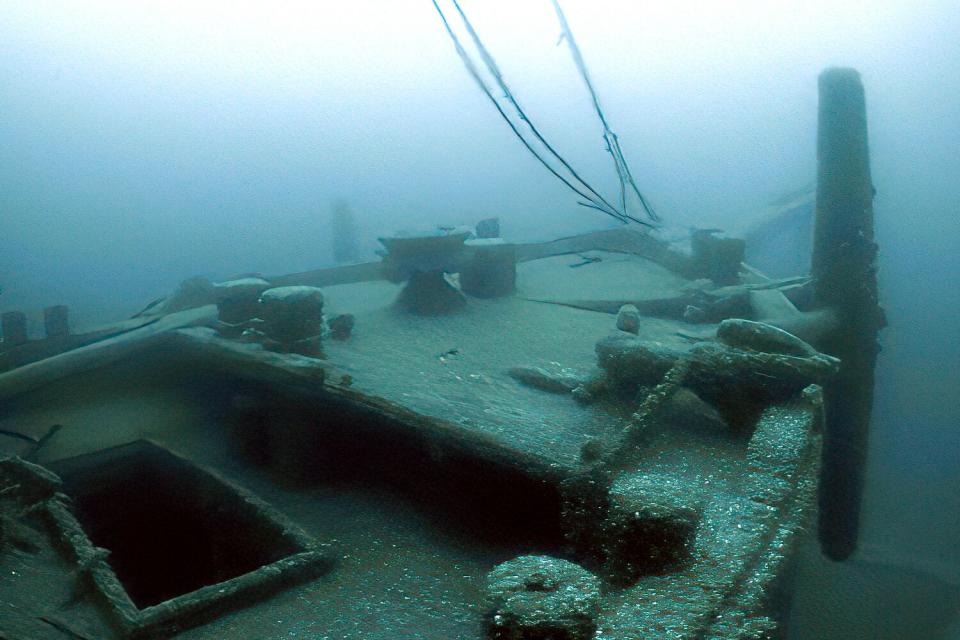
x=845 y=281
x=56 y=321
x=13 y=326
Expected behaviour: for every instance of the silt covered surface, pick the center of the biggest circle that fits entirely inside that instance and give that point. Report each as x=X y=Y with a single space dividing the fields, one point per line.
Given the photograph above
x=405 y=569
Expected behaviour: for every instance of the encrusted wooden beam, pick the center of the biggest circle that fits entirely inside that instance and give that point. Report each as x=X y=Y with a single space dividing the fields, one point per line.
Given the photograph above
x=845 y=282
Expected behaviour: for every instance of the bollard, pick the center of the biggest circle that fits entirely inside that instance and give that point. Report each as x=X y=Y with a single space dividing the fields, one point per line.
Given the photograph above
x=845 y=281
x=716 y=258
x=14 y=326
x=491 y=272
x=488 y=228
x=56 y=321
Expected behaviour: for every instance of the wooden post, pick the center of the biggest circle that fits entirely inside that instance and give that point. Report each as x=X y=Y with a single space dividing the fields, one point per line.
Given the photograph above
x=491 y=272
x=56 y=321
x=488 y=228
x=845 y=281
x=716 y=258
x=14 y=327
x=346 y=246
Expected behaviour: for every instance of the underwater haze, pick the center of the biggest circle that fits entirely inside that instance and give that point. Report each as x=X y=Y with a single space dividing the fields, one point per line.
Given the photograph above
x=142 y=143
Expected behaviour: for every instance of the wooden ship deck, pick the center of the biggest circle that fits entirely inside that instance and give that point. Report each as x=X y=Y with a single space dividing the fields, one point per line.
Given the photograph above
x=648 y=470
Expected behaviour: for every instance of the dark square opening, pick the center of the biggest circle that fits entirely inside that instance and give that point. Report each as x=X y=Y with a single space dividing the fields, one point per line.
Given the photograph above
x=171 y=527
x=471 y=490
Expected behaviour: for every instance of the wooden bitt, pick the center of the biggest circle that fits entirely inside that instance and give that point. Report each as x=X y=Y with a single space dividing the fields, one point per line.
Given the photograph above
x=14 y=326
x=488 y=228
x=56 y=321
x=491 y=272
x=716 y=258
x=845 y=281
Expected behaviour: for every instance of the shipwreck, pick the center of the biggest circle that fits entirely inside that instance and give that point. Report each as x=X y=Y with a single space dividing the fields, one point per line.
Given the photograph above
x=603 y=436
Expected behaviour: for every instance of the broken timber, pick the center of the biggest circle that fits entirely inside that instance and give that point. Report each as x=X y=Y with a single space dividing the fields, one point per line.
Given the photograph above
x=99 y=354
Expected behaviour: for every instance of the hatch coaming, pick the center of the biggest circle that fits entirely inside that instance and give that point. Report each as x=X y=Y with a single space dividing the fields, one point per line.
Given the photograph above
x=166 y=544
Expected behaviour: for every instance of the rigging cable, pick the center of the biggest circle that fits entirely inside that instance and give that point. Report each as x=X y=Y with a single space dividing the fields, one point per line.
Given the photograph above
x=613 y=142
x=573 y=181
